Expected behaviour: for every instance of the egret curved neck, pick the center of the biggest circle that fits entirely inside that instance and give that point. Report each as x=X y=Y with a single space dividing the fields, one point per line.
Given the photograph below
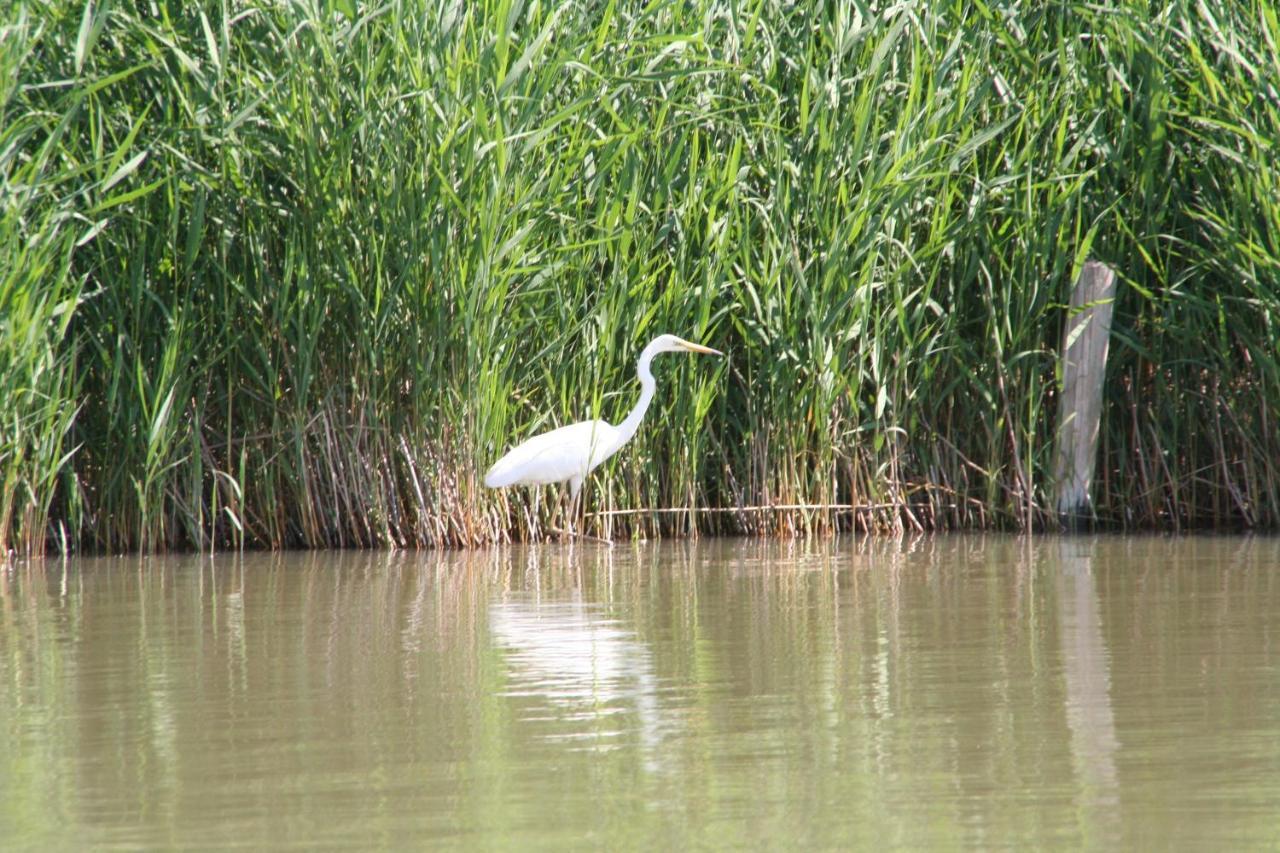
x=628 y=428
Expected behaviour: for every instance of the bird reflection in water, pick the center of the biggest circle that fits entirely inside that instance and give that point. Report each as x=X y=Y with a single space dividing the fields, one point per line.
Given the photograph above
x=578 y=672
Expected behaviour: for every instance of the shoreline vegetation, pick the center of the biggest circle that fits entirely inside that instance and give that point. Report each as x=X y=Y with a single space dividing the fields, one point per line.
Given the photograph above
x=293 y=274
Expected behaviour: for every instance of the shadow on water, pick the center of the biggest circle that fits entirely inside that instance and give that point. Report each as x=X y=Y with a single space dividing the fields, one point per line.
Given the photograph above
x=971 y=690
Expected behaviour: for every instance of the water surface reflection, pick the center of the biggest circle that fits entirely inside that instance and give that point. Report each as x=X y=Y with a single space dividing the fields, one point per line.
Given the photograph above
x=950 y=690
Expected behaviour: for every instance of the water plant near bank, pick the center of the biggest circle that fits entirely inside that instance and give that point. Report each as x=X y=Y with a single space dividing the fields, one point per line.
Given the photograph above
x=294 y=273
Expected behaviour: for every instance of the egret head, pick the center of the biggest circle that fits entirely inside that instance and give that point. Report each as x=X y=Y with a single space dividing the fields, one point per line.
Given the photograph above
x=671 y=343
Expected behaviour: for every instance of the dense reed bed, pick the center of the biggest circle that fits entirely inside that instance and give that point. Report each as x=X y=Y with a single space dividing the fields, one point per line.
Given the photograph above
x=294 y=273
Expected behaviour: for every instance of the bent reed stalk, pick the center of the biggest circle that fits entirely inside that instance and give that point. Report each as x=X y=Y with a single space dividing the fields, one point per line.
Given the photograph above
x=294 y=273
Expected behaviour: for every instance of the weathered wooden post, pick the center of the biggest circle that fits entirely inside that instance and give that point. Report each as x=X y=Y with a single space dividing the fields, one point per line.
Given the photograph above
x=1084 y=363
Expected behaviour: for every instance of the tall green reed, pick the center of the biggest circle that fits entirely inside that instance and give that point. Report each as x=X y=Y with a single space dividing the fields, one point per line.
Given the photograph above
x=294 y=273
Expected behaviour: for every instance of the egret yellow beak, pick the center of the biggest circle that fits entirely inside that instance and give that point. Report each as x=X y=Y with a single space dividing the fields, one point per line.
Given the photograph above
x=692 y=347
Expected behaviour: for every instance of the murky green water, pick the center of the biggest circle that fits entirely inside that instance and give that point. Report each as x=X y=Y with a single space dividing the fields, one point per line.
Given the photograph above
x=954 y=691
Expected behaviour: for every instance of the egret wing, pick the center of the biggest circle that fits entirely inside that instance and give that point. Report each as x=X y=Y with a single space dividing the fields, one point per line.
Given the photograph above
x=552 y=457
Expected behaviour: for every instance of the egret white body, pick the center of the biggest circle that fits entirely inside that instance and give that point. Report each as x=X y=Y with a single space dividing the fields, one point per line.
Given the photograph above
x=570 y=453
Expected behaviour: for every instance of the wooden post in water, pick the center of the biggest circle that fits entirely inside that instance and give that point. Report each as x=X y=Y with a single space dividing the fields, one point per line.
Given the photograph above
x=1084 y=363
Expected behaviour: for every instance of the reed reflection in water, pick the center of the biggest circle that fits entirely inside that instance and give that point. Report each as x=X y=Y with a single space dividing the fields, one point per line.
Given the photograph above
x=955 y=690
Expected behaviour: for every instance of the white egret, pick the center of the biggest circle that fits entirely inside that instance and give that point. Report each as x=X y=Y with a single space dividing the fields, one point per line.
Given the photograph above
x=570 y=453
